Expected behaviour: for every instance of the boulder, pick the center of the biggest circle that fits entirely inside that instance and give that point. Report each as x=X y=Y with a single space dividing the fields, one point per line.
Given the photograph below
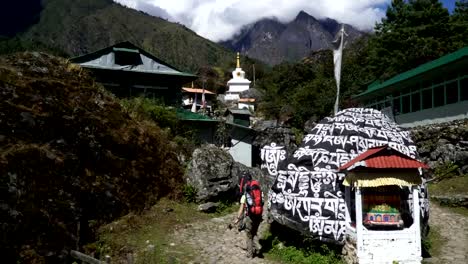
x=238 y=169
x=210 y=173
x=208 y=207
x=216 y=176
x=276 y=143
x=308 y=194
x=283 y=135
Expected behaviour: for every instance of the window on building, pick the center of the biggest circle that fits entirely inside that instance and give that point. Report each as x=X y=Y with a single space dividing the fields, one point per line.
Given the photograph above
x=451 y=91
x=464 y=89
x=427 y=99
x=415 y=102
x=127 y=58
x=396 y=105
x=438 y=80
x=405 y=104
x=451 y=76
x=426 y=84
x=406 y=91
x=439 y=96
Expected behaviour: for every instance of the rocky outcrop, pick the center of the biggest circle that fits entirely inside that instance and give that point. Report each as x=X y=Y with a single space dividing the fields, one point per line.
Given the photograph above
x=442 y=144
x=266 y=134
x=210 y=173
x=308 y=182
x=272 y=41
x=453 y=201
x=215 y=175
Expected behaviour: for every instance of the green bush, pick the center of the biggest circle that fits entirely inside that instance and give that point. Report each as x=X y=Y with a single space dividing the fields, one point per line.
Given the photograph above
x=445 y=171
x=296 y=248
x=190 y=193
x=154 y=110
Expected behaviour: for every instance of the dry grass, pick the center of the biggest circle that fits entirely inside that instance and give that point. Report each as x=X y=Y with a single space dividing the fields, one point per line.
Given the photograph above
x=148 y=236
x=451 y=186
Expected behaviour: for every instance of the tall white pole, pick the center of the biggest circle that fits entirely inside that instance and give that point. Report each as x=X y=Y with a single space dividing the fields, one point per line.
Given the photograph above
x=337 y=58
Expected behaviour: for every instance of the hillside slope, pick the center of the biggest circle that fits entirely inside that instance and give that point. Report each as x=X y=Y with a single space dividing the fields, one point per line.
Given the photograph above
x=71 y=159
x=81 y=26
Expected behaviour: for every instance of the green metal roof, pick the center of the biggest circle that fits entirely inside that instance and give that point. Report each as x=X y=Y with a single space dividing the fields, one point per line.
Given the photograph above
x=449 y=58
x=125 y=50
x=188 y=115
x=127 y=46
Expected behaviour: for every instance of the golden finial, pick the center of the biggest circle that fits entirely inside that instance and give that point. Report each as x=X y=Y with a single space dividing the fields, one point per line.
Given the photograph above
x=238 y=60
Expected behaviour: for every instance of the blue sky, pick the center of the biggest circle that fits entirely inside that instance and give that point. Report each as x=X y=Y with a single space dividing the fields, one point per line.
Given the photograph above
x=449 y=4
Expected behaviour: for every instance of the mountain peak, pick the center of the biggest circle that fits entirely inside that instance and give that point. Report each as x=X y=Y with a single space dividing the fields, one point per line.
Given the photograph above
x=274 y=42
x=304 y=16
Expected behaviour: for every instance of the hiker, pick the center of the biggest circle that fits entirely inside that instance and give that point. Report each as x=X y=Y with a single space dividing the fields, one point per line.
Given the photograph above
x=250 y=211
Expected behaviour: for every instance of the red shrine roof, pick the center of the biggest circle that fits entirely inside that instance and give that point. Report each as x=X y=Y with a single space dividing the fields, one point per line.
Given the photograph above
x=381 y=158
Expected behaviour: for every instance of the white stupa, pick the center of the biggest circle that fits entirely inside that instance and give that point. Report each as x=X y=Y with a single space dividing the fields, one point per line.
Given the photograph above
x=237 y=84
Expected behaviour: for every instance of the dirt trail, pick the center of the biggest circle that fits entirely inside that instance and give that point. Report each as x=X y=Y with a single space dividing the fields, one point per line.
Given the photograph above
x=454 y=230
x=214 y=242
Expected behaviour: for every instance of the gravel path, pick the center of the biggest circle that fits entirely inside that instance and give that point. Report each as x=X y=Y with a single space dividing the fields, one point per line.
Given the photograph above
x=454 y=230
x=214 y=242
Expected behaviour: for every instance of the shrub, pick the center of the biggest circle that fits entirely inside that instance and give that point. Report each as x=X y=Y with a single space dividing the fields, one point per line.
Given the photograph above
x=282 y=245
x=190 y=193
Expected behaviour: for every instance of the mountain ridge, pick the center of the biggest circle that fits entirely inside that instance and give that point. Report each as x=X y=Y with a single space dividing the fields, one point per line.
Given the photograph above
x=274 y=42
x=78 y=27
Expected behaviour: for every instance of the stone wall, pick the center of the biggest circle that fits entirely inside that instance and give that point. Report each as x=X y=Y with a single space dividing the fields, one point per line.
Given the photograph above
x=443 y=144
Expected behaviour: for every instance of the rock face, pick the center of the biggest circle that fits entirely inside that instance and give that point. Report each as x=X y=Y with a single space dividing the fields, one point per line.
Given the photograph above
x=445 y=143
x=308 y=194
x=210 y=172
x=275 y=144
x=273 y=42
x=215 y=174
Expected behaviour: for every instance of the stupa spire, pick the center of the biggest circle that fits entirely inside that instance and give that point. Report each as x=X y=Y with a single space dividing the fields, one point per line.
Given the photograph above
x=238 y=60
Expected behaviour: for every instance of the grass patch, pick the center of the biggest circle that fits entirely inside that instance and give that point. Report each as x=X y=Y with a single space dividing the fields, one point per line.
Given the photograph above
x=148 y=236
x=451 y=186
x=288 y=246
x=433 y=242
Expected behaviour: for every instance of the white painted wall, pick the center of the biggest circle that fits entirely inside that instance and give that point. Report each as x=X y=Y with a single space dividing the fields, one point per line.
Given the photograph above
x=241 y=142
x=241 y=152
x=246 y=105
x=231 y=96
x=238 y=87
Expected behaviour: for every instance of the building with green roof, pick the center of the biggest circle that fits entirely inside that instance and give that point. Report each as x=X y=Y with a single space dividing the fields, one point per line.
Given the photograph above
x=434 y=92
x=128 y=71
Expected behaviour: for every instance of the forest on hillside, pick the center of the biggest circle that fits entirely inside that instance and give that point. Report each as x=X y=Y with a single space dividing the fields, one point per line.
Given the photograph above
x=414 y=32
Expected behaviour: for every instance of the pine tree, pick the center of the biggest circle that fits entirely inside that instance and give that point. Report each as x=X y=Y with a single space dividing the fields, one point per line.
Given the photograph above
x=413 y=32
x=459 y=25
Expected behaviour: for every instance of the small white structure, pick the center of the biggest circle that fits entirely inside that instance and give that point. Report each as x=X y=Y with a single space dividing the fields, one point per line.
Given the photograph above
x=246 y=103
x=189 y=95
x=237 y=84
x=383 y=219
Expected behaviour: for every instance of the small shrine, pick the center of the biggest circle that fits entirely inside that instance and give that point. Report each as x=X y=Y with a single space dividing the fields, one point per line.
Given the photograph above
x=197 y=98
x=237 y=84
x=383 y=207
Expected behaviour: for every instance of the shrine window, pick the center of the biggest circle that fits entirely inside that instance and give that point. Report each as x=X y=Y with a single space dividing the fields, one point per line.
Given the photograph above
x=385 y=208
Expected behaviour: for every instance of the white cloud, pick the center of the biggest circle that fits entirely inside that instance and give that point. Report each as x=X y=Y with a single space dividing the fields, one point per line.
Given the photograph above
x=220 y=19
